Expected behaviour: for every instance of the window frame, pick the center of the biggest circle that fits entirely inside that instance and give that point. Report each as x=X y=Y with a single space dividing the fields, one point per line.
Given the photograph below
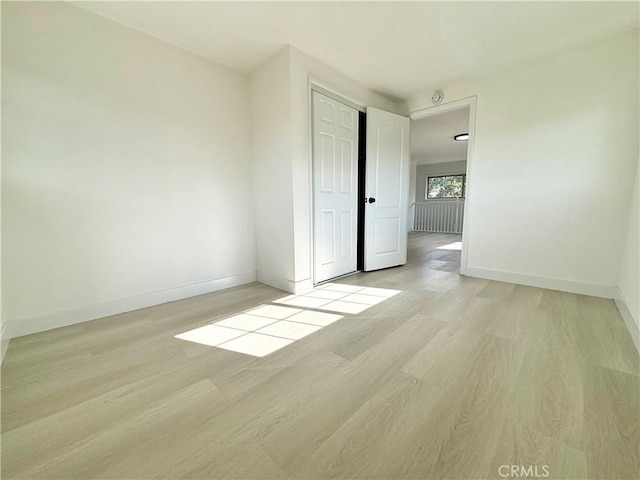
x=464 y=185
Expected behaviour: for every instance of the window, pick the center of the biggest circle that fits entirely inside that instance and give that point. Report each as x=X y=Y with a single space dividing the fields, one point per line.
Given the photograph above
x=446 y=186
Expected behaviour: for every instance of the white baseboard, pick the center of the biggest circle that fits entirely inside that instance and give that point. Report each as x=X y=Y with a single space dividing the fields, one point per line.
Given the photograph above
x=297 y=288
x=303 y=286
x=594 y=290
x=276 y=282
x=26 y=326
x=4 y=341
x=632 y=323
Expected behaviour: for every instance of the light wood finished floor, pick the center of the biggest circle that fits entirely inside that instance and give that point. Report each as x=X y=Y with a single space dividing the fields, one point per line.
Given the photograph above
x=451 y=378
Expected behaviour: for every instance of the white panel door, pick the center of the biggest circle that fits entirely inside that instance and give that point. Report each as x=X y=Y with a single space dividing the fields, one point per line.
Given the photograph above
x=335 y=188
x=387 y=190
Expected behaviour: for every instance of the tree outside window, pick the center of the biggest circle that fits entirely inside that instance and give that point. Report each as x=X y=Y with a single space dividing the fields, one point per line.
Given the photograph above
x=446 y=186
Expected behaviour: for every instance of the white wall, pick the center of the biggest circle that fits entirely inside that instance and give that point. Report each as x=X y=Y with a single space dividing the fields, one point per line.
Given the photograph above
x=281 y=127
x=552 y=173
x=124 y=169
x=629 y=283
x=270 y=87
x=435 y=169
x=4 y=338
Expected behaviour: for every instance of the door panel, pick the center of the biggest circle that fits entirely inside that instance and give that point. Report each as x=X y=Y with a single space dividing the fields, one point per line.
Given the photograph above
x=327 y=162
x=387 y=181
x=335 y=148
x=389 y=164
x=328 y=237
x=386 y=236
x=348 y=242
x=347 y=161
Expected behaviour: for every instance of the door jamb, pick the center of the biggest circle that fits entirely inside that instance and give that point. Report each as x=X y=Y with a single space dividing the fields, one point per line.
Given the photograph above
x=470 y=102
x=337 y=97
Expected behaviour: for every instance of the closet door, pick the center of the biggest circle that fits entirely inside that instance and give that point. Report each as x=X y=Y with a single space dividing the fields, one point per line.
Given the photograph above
x=335 y=187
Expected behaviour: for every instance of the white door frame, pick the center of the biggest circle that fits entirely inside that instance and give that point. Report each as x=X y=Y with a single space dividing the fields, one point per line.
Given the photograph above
x=471 y=103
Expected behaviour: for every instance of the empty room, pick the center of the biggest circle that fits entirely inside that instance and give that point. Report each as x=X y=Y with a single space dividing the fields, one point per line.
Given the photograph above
x=309 y=240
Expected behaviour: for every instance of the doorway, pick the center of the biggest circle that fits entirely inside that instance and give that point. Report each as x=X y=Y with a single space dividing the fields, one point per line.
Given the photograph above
x=441 y=150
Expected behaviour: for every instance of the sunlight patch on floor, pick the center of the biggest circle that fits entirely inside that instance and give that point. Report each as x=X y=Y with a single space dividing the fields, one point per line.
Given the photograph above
x=451 y=246
x=261 y=330
x=268 y=328
x=340 y=298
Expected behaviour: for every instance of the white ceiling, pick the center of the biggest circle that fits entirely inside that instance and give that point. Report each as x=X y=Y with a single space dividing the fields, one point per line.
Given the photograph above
x=432 y=137
x=395 y=48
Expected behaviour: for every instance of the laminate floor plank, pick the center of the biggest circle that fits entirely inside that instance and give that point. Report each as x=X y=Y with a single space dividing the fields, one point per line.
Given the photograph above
x=519 y=445
x=612 y=423
x=544 y=425
x=310 y=425
x=458 y=436
x=246 y=419
x=602 y=339
x=377 y=329
x=441 y=360
x=166 y=420
x=452 y=377
x=512 y=320
x=363 y=437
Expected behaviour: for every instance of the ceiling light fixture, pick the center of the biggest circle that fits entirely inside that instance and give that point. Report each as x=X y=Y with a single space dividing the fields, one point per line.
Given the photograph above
x=461 y=137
